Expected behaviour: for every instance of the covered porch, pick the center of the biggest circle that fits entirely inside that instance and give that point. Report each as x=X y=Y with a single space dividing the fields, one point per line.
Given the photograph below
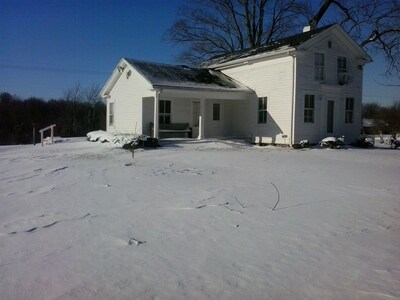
x=198 y=114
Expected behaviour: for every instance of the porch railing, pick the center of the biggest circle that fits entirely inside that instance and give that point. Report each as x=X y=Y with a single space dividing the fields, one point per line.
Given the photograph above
x=51 y=127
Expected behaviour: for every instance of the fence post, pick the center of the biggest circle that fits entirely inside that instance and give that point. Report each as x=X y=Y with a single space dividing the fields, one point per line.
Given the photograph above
x=33 y=133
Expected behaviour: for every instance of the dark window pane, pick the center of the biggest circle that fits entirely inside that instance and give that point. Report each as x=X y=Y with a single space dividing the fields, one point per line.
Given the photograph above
x=309 y=108
x=262 y=110
x=161 y=108
x=216 y=112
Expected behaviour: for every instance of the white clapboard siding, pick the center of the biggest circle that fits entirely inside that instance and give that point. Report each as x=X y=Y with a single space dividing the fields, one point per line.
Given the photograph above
x=222 y=127
x=127 y=95
x=326 y=90
x=273 y=79
x=181 y=111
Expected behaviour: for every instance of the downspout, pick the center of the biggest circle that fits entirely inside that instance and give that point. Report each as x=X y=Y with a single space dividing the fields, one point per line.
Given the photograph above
x=156 y=113
x=293 y=99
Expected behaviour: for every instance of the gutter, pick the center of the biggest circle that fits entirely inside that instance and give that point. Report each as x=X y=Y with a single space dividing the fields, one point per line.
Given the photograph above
x=249 y=59
x=293 y=98
x=201 y=89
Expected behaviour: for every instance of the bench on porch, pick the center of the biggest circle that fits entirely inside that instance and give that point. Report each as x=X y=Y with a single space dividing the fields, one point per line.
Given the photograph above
x=173 y=130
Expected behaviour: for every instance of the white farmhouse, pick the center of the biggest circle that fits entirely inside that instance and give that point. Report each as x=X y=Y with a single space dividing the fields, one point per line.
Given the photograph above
x=307 y=86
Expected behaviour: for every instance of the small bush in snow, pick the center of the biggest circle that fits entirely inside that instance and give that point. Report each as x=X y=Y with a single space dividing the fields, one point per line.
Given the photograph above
x=364 y=142
x=332 y=142
x=304 y=144
x=142 y=141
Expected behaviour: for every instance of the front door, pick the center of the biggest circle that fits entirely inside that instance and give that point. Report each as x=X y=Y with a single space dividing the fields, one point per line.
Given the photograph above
x=330 y=116
x=195 y=120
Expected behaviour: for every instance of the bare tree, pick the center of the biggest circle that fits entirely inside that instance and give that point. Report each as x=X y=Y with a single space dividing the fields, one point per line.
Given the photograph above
x=74 y=95
x=91 y=96
x=374 y=25
x=215 y=27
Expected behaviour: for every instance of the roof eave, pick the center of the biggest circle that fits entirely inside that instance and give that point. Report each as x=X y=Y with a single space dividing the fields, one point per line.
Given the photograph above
x=112 y=80
x=361 y=53
x=250 y=59
x=199 y=89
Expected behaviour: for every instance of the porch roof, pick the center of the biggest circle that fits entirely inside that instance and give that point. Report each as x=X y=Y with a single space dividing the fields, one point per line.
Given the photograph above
x=183 y=77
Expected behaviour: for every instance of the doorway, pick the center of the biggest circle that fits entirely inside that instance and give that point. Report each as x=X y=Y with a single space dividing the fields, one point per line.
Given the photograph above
x=330 y=116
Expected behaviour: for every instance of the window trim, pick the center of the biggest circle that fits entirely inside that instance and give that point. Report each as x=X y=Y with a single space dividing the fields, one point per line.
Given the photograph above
x=341 y=69
x=262 y=109
x=308 y=117
x=111 y=114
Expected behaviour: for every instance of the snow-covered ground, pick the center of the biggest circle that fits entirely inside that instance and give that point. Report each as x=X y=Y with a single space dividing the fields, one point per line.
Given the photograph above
x=194 y=220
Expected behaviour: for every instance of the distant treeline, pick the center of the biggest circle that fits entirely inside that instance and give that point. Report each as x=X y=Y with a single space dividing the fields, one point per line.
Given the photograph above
x=386 y=119
x=79 y=112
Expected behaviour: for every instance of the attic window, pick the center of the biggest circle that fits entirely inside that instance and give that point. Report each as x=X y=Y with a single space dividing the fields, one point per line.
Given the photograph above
x=329 y=44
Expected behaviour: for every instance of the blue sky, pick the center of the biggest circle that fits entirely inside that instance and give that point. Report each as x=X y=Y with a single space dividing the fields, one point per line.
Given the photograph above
x=47 y=46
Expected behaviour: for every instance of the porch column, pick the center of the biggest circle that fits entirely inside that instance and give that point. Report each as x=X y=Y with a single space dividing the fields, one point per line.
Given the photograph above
x=202 y=119
x=156 y=112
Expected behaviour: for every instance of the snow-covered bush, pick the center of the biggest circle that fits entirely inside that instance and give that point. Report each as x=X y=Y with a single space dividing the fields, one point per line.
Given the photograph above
x=304 y=144
x=99 y=136
x=364 y=142
x=142 y=141
x=332 y=142
x=126 y=141
x=394 y=143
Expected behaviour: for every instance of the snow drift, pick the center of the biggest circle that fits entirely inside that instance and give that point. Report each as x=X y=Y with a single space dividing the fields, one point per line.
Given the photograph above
x=195 y=220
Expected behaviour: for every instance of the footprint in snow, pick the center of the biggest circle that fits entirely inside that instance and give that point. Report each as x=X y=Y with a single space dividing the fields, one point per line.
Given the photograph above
x=136 y=242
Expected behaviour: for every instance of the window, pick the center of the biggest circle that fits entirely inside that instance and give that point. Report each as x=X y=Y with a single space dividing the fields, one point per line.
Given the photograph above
x=342 y=75
x=216 y=112
x=341 y=65
x=165 y=112
x=111 y=114
x=349 y=112
x=262 y=110
x=319 y=66
x=309 y=108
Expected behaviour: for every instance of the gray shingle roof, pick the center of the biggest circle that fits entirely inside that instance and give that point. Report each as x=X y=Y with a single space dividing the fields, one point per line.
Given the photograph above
x=165 y=75
x=287 y=42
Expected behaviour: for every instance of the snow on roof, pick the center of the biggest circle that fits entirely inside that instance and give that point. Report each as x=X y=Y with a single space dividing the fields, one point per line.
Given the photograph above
x=165 y=75
x=281 y=44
